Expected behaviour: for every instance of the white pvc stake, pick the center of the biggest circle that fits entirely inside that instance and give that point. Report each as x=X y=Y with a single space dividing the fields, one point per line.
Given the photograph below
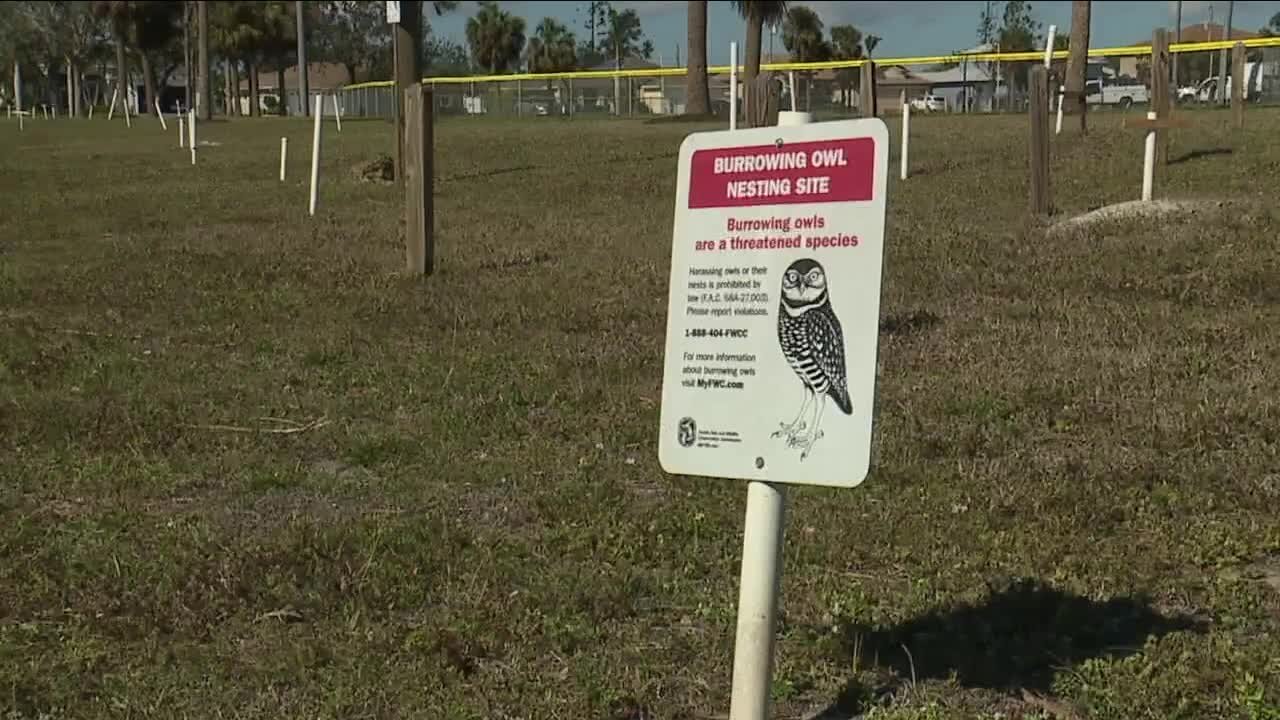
x=182 y=132
x=111 y=109
x=733 y=86
x=91 y=110
x=191 y=134
x=45 y=110
x=1048 y=62
x=124 y=105
x=55 y=112
x=284 y=152
x=1149 y=161
x=337 y=112
x=160 y=115
x=757 y=602
x=906 y=136
x=792 y=82
x=315 y=154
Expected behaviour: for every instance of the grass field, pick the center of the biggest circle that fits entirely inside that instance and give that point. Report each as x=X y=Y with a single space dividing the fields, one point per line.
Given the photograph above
x=1073 y=512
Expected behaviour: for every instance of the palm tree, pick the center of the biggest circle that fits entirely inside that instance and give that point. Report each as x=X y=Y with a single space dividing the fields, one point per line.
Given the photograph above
x=622 y=39
x=552 y=49
x=870 y=43
x=1079 y=54
x=154 y=25
x=496 y=37
x=802 y=37
x=278 y=45
x=698 y=94
x=846 y=41
x=757 y=13
x=117 y=14
x=238 y=33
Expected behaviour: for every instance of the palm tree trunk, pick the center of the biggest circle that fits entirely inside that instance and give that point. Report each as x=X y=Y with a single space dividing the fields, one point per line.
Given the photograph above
x=253 y=89
x=1078 y=60
x=235 y=88
x=203 y=91
x=755 y=32
x=122 y=70
x=148 y=84
x=280 y=91
x=71 y=89
x=698 y=93
x=617 y=84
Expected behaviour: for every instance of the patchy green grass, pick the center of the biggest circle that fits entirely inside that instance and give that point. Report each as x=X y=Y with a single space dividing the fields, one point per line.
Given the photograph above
x=1073 y=510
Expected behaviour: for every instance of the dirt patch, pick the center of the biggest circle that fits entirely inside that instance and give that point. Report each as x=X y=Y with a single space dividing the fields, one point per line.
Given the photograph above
x=1138 y=210
x=1266 y=571
x=381 y=170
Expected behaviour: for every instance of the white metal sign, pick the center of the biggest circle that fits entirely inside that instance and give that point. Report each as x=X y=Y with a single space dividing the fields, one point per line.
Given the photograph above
x=393 y=12
x=773 y=313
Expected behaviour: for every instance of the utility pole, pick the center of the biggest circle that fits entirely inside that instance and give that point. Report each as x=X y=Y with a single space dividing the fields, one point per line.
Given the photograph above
x=591 y=26
x=1222 y=57
x=1177 y=38
x=186 y=51
x=203 y=98
x=304 y=84
x=1208 y=34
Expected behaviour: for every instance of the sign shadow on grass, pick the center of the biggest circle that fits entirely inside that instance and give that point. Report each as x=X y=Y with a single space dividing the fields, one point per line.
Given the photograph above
x=1197 y=154
x=1014 y=639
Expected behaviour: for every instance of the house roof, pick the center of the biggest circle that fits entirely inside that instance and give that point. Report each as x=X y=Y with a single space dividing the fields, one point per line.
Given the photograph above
x=899 y=75
x=1204 y=32
x=975 y=73
x=631 y=62
x=320 y=76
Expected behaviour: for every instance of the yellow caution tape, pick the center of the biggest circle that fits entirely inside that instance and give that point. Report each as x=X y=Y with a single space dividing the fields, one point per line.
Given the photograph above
x=1031 y=55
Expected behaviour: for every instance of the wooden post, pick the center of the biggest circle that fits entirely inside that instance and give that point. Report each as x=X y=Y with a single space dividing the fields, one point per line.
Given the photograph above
x=867 y=99
x=419 y=171
x=1039 y=147
x=406 y=42
x=1160 y=89
x=1238 y=84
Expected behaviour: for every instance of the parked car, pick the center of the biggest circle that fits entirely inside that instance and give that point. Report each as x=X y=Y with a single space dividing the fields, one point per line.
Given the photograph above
x=929 y=103
x=1120 y=91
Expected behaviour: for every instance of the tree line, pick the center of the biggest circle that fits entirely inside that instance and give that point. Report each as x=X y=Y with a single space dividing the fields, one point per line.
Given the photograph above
x=154 y=39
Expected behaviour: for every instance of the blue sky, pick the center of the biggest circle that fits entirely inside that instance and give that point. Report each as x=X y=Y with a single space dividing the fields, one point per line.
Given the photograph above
x=908 y=28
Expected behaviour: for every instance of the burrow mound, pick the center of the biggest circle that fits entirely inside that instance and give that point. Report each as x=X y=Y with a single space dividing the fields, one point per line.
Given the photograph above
x=382 y=170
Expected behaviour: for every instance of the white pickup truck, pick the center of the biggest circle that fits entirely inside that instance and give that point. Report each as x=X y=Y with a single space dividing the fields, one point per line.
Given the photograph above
x=1123 y=92
x=1207 y=90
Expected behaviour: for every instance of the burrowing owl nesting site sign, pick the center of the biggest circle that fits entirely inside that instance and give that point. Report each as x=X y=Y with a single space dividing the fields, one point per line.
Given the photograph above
x=773 y=314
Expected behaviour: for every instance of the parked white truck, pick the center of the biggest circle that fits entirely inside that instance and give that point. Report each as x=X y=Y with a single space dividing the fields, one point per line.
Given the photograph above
x=1207 y=90
x=1122 y=92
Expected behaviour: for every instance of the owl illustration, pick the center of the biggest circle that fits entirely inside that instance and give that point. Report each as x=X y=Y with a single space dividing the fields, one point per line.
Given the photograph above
x=813 y=345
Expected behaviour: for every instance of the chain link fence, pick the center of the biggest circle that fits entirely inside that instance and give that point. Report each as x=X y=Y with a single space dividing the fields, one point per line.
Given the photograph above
x=1118 y=79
